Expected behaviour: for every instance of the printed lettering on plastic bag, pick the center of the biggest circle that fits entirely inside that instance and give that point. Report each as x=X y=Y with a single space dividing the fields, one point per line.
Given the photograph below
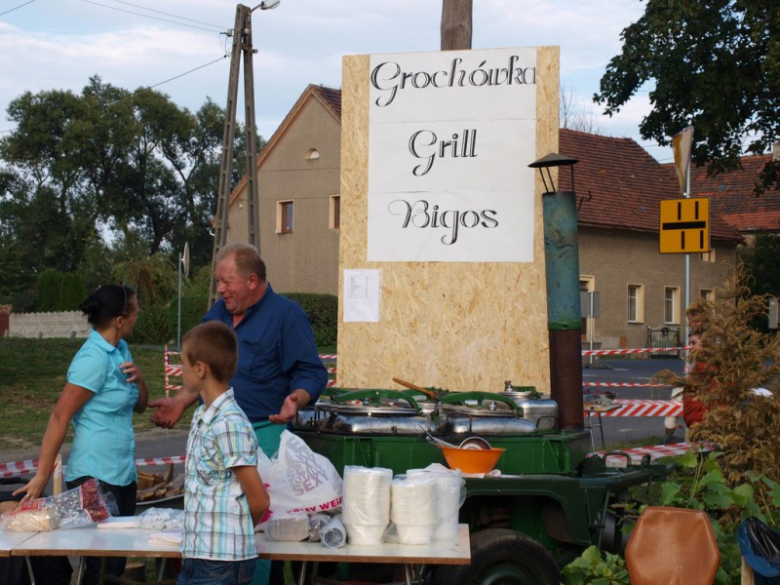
x=298 y=479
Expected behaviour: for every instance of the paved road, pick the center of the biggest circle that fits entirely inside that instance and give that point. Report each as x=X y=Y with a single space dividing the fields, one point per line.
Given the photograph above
x=618 y=430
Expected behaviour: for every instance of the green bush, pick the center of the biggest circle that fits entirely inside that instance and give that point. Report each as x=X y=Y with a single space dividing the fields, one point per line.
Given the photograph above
x=323 y=311
x=192 y=310
x=72 y=292
x=152 y=326
x=48 y=291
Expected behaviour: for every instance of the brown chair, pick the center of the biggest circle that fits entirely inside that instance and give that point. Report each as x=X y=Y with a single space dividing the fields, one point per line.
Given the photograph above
x=672 y=546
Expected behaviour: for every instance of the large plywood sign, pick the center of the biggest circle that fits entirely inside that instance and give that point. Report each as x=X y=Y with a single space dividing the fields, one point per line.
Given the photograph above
x=450 y=138
x=441 y=254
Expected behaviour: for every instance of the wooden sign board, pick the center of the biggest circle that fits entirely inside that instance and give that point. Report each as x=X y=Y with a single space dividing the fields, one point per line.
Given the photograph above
x=441 y=218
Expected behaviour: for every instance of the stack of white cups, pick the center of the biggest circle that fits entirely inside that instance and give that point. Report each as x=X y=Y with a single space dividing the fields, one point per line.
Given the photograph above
x=413 y=508
x=366 y=506
x=448 y=500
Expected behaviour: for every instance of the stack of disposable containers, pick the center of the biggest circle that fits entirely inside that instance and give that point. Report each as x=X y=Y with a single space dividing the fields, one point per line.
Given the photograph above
x=366 y=506
x=449 y=497
x=422 y=505
x=413 y=508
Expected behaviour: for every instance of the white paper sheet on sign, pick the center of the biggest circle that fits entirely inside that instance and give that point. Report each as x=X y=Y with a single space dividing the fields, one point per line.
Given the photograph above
x=361 y=296
x=451 y=135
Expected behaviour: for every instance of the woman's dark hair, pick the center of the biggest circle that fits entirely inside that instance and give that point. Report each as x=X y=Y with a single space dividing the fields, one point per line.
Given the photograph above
x=106 y=303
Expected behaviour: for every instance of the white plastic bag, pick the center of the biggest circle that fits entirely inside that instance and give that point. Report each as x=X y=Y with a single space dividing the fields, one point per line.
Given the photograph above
x=298 y=479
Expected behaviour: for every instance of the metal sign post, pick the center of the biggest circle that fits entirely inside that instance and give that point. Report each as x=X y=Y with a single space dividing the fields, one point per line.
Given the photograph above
x=184 y=263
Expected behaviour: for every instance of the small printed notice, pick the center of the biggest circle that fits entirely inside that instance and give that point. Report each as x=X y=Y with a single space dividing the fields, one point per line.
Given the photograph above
x=361 y=296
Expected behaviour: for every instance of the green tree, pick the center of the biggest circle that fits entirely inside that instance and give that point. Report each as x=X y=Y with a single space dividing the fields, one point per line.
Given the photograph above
x=154 y=278
x=108 y=160
x=713 y=64
x=71 y=292
x=762 y=261
x=48 y=292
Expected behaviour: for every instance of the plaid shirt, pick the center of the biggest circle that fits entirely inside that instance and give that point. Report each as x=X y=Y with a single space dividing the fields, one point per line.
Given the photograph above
x=217 y=522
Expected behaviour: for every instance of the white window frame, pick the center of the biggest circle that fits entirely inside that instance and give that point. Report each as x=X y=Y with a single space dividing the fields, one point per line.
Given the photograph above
x=639 y=303
x=708 y=256
x=707 y=294
x=671 y=305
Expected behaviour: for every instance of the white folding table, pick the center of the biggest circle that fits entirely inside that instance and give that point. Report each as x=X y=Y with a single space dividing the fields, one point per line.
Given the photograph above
x=118 y=542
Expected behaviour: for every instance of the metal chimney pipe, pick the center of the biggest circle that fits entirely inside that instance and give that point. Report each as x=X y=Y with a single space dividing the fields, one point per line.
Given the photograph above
x=564 y=321
x=564 y=317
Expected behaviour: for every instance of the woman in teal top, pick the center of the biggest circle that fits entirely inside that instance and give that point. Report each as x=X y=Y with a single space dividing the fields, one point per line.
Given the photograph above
x=103 y=389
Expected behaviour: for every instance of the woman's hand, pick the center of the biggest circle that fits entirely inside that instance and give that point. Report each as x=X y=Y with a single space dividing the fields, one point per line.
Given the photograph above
x=34 y=487
x=132 y=372
x=135 y=376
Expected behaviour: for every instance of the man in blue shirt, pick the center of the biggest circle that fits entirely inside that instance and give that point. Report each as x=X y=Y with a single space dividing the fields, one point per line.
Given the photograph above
x=279 y=368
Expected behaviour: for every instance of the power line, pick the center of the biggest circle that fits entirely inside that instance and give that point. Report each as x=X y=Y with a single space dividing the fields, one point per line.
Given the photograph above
x=225 y=56
x=167 y=14
x=16 y=7
x=155 y=17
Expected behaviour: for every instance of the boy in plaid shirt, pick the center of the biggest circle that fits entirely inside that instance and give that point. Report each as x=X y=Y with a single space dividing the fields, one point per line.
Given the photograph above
x=224 y=497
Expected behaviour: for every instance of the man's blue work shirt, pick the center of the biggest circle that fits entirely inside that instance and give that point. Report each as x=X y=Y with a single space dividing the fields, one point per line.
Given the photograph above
x=276 y=354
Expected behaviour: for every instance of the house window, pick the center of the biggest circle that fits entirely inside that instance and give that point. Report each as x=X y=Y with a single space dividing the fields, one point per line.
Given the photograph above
x=587 y=283
x=636 y=303
x=335 y=212
x=284 y=217
x=312 y=154
x=707 y=294
x=708 y=256
x=671 y=305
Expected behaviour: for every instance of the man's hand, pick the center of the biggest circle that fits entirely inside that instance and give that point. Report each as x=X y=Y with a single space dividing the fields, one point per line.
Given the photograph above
x=290 y=408
x=167 y=412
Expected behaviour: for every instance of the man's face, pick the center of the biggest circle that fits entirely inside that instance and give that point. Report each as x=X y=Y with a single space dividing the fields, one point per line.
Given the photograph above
x=237 y=291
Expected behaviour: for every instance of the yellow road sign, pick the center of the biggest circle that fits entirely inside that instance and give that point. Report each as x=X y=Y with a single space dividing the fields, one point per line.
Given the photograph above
x=684 y=226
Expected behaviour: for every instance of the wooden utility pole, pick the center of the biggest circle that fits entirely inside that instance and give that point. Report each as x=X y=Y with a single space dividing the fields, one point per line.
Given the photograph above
x=242 y=45
x=456 y=25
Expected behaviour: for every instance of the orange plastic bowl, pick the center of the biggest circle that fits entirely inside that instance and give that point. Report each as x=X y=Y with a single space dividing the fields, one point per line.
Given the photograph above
x=472 y=460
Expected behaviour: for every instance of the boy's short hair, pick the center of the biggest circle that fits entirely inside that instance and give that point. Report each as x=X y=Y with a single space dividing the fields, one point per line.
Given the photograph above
x=214 y=344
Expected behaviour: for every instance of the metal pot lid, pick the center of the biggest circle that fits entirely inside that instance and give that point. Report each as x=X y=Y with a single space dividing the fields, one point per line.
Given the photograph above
x=373 y=409
x=375 y=402
x=480 y=410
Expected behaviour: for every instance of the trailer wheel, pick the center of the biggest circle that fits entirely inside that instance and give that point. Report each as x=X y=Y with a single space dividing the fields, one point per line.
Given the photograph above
x=502 y=557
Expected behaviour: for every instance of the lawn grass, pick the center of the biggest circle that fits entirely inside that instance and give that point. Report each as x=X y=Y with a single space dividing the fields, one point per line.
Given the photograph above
x=32 y=374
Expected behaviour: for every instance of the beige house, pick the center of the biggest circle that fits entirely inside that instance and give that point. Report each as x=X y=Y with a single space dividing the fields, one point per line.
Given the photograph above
x=639 y=289
x=298 y=178
x=621 y=187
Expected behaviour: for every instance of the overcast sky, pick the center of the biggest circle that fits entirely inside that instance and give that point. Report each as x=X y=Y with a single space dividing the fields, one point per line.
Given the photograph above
x=59 y=44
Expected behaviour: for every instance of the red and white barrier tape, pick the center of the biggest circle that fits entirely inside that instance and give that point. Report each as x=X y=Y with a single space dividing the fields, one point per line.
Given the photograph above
x=328 y=356
x=623 y=385
x=160 y=460
x=16 y=468
x=630 y=351
x=639 y=407
x=175 y=370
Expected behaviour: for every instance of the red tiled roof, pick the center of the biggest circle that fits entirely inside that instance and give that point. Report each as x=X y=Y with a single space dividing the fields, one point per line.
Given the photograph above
x=733 y=196
x=625 y=182
x=332 y=97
